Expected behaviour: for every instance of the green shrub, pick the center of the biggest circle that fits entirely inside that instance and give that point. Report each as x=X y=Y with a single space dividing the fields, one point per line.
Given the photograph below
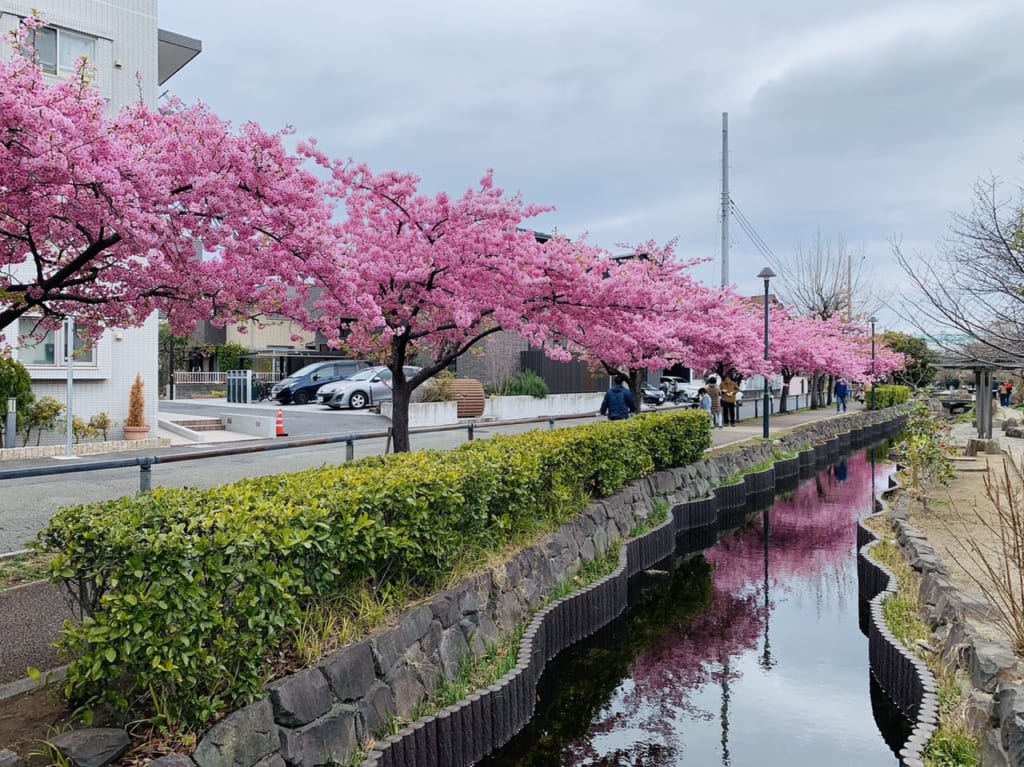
x=189 y=592
x=527 y=383
x=887 y=396
x=439 y=388
x=42 y=415
x=14 y=382
x=229 y=357
x=100 y=424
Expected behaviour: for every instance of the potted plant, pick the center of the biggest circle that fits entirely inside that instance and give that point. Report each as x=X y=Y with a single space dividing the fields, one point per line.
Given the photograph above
x=135 y=426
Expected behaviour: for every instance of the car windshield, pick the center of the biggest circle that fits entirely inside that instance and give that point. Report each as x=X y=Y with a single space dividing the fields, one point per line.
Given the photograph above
x=305 y=371
x=365 y=375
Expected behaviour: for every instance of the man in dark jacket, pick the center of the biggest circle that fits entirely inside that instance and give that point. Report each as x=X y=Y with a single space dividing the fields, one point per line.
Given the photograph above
x=618 y=402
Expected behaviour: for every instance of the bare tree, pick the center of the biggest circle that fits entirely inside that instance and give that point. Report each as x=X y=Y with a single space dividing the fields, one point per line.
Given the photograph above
x=973 y=284
x=825 y=280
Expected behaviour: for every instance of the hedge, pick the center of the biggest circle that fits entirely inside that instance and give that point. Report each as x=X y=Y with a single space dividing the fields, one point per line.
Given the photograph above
x=190 y=591
x=887 y=396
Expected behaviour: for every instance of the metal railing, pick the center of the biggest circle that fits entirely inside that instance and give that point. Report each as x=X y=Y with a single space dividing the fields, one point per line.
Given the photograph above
x=187 y=377
x=146 y=463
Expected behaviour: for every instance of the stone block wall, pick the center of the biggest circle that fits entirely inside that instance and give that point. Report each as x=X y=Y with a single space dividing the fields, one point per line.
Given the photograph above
x=987 y=669
x=322 y=714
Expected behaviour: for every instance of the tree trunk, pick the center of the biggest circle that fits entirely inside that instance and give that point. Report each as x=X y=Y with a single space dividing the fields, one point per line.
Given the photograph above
x=401 y=396
x=635 y=376
x=815 y=391
x=785 y=392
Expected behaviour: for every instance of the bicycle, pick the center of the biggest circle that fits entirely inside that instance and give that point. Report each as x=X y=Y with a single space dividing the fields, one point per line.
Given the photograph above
x=260 y=390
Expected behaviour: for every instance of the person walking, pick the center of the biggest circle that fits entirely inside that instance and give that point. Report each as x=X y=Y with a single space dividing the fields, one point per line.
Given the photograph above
x=842 y=393
x=618 y=402
x=730 y=391
x=716 y=401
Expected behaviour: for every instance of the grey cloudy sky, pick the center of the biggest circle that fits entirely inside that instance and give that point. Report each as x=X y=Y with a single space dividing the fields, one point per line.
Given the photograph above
x=870 y=118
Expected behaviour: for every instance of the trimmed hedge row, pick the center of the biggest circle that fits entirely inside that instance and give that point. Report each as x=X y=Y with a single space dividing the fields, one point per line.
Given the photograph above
x=889 y=395
x=190 y=591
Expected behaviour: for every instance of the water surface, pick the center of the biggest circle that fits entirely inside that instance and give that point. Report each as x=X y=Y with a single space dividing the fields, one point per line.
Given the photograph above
x=746 y=654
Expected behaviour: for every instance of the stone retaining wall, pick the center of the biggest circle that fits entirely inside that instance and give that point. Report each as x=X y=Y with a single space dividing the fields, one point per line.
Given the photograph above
x=995 y=704
x=83 y=448
x=903 y=676
x=321 y=715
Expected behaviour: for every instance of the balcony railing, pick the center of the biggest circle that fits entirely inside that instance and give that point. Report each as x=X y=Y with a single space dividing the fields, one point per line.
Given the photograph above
x=187 y=377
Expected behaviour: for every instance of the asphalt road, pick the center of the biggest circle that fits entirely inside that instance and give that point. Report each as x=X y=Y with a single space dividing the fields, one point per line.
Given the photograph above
x=300 y=420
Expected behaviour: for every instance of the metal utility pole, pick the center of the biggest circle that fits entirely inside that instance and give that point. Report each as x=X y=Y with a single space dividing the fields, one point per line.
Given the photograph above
x=725 y=199
x=69 y=347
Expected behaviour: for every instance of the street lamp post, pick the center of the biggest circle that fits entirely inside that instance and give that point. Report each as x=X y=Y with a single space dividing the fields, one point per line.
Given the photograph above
x=766 y=274
x=872 y=320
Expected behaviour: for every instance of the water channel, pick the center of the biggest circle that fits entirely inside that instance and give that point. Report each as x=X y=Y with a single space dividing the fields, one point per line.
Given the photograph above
x=744 y=650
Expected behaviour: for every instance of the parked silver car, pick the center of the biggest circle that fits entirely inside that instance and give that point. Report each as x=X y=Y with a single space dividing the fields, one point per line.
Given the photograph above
x=367 y=387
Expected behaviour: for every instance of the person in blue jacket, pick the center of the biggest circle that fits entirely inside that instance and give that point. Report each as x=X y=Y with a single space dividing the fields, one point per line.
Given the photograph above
x=618 y=401
x=842 y=392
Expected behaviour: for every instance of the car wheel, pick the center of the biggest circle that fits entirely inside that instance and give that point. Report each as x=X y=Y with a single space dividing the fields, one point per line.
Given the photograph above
x=300 y=398
x=357 y=400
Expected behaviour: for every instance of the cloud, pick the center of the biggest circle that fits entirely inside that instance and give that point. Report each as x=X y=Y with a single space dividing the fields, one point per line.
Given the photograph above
x=871 y=119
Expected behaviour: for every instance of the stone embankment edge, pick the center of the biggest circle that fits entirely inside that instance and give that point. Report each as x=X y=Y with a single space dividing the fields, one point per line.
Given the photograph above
x=319 y=715
x=985 y=668
x=904 y=677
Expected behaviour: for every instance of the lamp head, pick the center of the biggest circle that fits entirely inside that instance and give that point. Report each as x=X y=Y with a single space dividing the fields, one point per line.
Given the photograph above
x=872 y=319
x=766 y=273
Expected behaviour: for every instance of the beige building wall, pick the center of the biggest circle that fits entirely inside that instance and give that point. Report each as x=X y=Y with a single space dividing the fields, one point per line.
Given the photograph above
x=269 y=334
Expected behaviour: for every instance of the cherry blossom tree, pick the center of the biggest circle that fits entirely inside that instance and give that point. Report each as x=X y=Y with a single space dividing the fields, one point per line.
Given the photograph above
x=731 y=338
x=819 y=348
x=420 y=279
x=103 y=217
x=632 y=314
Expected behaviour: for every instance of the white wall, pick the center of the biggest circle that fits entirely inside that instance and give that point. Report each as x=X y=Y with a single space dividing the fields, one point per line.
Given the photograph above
x=127 y=43
x=126 y=32
x=105 y=387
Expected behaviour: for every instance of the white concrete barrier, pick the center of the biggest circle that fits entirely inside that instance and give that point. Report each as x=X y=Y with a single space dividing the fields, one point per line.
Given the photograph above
x=426 y=413
x=257 y=425
x=511 y=408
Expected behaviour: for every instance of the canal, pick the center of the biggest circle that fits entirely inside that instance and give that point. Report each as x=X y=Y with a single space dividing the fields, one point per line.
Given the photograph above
x=744 y=649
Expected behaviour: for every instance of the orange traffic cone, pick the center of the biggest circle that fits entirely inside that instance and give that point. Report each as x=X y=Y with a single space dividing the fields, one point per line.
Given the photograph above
x=280 y=423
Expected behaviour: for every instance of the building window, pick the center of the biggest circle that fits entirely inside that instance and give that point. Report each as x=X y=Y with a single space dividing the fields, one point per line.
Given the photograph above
x=39 y=348
x=59 y=50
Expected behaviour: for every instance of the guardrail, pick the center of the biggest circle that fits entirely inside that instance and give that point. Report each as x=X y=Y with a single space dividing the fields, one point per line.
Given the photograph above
x=146 y=463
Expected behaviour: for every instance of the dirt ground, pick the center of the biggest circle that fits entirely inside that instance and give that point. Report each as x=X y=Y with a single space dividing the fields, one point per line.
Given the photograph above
x=28 y=719
x=960 y=519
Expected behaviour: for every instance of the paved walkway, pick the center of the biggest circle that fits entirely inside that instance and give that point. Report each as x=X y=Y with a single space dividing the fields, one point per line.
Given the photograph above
x=31 y=615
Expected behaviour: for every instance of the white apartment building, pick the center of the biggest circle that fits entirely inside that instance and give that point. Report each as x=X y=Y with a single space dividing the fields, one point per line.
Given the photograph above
x=120 y=38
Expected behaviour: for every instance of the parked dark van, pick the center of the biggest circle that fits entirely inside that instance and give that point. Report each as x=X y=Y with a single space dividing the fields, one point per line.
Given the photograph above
x=300 y=387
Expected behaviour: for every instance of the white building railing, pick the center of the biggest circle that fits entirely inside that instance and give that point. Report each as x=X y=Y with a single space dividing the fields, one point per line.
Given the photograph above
x=187 y=377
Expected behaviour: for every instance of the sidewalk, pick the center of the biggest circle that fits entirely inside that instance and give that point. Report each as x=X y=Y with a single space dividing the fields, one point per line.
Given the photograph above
x=31 y=615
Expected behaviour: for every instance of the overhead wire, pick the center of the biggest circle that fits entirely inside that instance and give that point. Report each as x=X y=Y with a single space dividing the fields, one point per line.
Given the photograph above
x=752 y=234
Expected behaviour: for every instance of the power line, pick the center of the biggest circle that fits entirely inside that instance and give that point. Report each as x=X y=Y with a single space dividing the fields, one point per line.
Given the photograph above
x=751 y=231
x=755 y=238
